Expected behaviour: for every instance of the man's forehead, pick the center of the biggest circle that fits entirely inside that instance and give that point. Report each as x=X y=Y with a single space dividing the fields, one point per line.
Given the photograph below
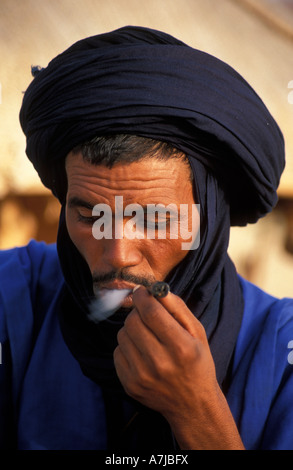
x=146 y=181
x=145 y=169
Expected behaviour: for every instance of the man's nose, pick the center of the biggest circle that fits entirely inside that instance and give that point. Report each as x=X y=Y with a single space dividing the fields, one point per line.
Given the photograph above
x=120 y=253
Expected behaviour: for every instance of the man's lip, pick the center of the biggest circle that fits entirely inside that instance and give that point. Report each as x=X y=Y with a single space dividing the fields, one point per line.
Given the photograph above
x=115 y=285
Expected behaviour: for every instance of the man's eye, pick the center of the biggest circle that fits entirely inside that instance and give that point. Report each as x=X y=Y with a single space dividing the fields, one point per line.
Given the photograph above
x=156 y=224
x=87 y=219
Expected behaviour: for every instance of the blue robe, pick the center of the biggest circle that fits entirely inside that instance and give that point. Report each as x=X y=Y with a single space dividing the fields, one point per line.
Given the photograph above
x=47 y=403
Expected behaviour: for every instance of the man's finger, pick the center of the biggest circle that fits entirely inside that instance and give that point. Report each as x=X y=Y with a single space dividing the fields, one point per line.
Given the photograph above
x=140 y=334
x=164 y=316
x=179 y=310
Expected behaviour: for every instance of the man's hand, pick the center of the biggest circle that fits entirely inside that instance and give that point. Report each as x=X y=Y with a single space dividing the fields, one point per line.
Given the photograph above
x=163 y=360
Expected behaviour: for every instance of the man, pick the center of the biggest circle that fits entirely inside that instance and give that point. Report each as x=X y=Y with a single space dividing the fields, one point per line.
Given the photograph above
x=117 y=124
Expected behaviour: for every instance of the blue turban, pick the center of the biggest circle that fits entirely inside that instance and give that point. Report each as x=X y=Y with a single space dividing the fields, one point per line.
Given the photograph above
x=145 y=82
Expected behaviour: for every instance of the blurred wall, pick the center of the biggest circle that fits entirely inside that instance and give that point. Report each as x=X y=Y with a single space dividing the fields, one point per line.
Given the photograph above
x=254 y=36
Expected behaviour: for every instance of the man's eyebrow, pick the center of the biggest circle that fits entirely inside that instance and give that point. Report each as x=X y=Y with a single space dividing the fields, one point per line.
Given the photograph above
x=76 y=201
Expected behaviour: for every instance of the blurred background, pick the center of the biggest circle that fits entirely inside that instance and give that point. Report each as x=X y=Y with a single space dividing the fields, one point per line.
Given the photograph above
x=253 y=36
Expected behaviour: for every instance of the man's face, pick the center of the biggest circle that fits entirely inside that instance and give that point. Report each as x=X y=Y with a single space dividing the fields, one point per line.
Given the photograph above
x=119 y=263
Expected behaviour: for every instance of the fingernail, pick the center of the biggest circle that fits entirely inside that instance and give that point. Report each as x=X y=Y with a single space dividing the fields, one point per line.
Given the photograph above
x=135 y=288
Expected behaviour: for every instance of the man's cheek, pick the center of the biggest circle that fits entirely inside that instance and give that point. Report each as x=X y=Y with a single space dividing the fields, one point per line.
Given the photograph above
x=164 y=255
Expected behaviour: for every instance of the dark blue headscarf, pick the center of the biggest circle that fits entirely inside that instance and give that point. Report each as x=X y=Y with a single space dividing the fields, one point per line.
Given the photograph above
x=149 y=83
x=144 y=82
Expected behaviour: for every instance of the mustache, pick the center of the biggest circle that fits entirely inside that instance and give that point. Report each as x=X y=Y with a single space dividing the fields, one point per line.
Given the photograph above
x=104 y=306
x=122 y=275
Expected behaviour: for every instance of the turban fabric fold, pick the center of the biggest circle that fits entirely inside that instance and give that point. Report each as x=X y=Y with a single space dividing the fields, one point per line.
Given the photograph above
x=144 y=82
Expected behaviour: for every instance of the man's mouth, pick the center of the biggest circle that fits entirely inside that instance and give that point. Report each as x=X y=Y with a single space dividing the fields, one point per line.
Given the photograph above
x=112 y=285
x=114 y=292
x=109 y=298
